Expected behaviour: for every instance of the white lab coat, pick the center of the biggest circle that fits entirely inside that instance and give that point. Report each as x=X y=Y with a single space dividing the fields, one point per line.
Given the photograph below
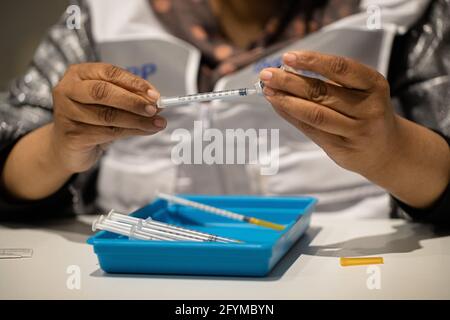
x=128 y=34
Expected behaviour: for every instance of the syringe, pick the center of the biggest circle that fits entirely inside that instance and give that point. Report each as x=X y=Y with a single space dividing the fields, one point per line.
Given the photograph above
x=165 y=102
x=258 y=87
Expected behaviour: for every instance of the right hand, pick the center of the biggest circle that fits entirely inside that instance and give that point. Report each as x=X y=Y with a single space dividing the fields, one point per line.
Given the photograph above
x=95 y=104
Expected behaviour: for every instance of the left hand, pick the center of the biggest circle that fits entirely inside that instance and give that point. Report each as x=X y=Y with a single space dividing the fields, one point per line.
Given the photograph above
x=352 y=119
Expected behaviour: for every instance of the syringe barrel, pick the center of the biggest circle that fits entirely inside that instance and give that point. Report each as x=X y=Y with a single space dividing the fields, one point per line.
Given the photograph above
x=165 y=102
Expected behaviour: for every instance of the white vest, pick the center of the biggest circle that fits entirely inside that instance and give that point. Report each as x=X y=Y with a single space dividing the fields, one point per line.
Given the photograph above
x=128 y=34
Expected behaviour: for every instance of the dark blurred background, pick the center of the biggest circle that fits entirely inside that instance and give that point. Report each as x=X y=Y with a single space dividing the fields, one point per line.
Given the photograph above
x=23 y=24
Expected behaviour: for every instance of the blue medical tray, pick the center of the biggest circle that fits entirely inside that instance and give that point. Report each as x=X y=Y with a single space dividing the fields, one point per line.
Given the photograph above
x=261 y=250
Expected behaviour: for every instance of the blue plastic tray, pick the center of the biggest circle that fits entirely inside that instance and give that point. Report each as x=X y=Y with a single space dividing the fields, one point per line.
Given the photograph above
x=261 y=250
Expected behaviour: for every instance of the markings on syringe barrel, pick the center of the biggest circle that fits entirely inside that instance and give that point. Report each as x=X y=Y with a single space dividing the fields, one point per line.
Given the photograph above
x=242 y=92
x=224 y=93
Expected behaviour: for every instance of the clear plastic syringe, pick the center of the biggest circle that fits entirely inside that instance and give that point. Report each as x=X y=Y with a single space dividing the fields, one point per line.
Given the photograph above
x=258 y=87
x=165 y=102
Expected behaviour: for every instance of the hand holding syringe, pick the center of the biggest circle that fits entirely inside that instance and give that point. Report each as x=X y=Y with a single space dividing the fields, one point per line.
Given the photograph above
x=165 y=102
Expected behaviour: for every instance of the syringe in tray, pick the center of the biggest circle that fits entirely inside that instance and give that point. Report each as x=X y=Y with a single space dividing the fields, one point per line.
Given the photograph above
x=136 y=228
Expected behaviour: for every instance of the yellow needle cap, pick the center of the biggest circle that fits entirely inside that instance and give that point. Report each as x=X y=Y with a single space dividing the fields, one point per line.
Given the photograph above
x=362 y=261
x=267 y=224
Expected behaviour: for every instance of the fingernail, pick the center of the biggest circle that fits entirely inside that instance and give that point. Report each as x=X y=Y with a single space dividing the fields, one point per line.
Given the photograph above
x=153 y=95
x=268 y=92
x=265 y=75
x=160 y=123
x=151 y=110
x=289 y=58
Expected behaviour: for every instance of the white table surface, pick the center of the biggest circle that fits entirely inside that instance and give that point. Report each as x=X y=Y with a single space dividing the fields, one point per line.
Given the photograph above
x=416 y=266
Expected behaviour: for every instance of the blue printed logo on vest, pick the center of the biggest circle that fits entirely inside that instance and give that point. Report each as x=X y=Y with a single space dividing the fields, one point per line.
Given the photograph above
x=144 y=71
x=273 y=62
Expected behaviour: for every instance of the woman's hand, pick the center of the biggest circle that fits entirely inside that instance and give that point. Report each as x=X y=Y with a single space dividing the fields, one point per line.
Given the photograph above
x=352 y=119
x=95 y=104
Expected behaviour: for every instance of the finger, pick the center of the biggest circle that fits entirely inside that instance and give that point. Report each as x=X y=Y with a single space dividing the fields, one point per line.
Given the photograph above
x=104 y=146
x=108 y=94
x=109 y=116
x=319 y=137
x=342 y=70
x=90 y=135
x=340 y=99
x=118 y=76
x=311 y=113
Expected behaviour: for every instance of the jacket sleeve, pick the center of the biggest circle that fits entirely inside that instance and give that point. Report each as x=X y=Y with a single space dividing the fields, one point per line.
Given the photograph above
x=420 y=74
x=28 y=105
